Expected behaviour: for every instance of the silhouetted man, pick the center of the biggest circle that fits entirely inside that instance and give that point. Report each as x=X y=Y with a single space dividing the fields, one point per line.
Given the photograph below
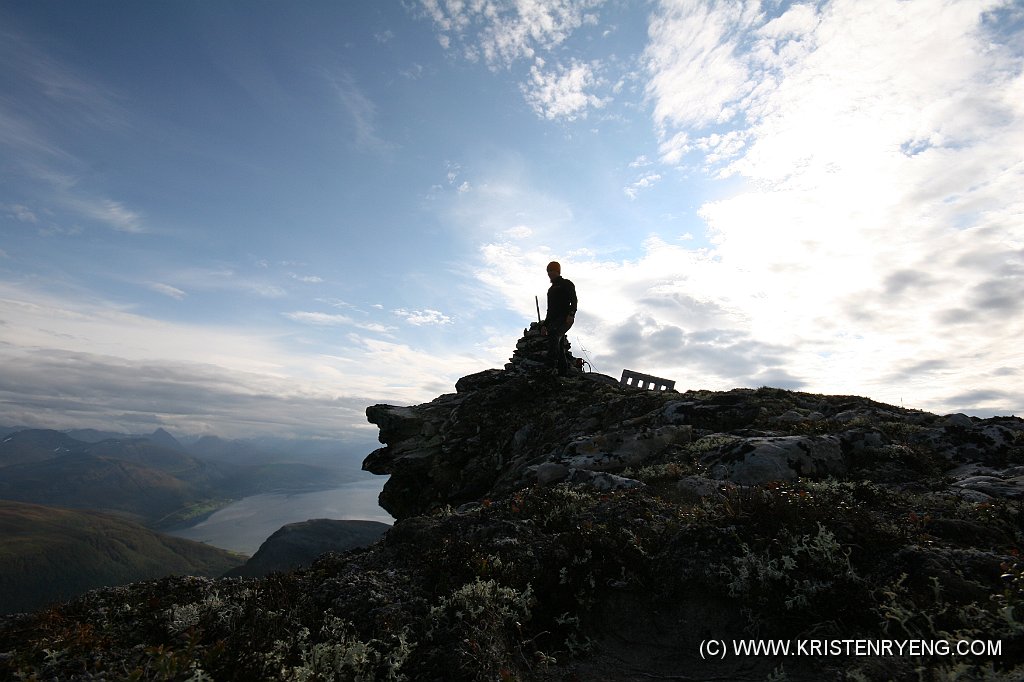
x=561 y=315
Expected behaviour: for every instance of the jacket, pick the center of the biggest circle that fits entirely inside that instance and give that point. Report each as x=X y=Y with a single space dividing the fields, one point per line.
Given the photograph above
x=561 y=302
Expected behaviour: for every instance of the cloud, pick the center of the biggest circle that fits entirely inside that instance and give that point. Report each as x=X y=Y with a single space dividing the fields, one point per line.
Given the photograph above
x=507 y=30
x=308 y=279
x=47 y=100
x=561 y=92
x=112 y=213
x=78 y=362
x=228 y=278
x=361 y=110
x=22 y=214
x=423 y=317
x=732 y=356
x=319 y=319
x=167 y=290
x=696 y=317
x=643 y=182
x=65 y=389
x=696 y=78
x=518 y=232
x=41 y=80
x=874 y=222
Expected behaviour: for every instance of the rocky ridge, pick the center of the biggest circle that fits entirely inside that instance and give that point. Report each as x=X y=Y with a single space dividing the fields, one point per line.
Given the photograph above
x=572 y=528
x=504 y=430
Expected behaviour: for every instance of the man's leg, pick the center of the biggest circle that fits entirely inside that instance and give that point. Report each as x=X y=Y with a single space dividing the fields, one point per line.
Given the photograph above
x=556 y=355
x=563 y=364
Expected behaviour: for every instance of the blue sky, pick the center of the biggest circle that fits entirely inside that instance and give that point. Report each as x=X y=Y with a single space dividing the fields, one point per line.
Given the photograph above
x=248 y=218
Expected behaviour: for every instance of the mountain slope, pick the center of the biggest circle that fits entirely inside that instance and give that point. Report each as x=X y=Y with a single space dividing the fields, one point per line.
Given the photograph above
x=35 y=445
x=49 y=554
x=153 y=479
x=90 y=482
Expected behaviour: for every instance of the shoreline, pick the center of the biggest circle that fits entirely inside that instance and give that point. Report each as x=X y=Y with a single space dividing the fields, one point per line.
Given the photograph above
x=244 y=524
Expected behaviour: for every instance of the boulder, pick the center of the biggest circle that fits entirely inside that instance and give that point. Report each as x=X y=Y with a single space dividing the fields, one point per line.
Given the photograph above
x=785 y=458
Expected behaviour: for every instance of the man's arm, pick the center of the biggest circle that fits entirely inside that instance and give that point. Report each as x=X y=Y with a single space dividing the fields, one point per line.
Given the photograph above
x=573 y=301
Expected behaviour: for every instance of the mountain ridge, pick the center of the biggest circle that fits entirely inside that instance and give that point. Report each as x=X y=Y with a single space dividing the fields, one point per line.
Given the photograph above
x=553 y=529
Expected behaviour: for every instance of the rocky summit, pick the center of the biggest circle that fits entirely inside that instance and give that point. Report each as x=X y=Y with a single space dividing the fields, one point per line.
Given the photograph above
x=575 y=529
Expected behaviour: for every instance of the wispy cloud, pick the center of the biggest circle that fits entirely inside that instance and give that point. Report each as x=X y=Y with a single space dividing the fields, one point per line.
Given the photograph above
x=361 y=111
x=22 y=214
x=319 y=319
x=167 y=290
x=113 y=214
x=307 y=279
x=46 y=98
x=37 y=75
x=643 y=182
x=423 y=317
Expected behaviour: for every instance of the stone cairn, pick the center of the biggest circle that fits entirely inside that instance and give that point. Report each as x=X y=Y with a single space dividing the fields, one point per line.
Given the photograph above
x=531 y=353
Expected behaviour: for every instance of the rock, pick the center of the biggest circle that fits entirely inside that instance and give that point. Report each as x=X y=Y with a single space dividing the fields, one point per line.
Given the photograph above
x=959 y=420
x=621 y=449
x=993 y=486
x=859 y=440
x=799 y=415
x=759 y=460
x=602 y=480
x=551 y=472
x=696 y=488
x=475 y=382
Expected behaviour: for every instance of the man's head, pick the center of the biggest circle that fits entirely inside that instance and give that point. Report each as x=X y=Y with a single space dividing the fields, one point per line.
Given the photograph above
x=554 y=270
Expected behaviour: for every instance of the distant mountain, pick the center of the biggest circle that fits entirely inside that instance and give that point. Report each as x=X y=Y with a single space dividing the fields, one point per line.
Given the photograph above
x=163 y=438
x=86 y=481
x=35 y=445
x=219 y=449
x=154 y=479
x=150 y=454
x=49 y=554
x=94 y=436
x=297 y=545
x=8 y=430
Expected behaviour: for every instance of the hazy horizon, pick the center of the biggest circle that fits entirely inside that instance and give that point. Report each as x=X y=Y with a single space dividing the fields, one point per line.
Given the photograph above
x=259 y=219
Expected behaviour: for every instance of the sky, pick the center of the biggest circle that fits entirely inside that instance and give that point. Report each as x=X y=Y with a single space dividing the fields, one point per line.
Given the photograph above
x=258 y=218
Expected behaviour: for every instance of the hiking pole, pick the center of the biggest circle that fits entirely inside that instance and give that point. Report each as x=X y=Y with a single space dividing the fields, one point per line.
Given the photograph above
x=537 y=303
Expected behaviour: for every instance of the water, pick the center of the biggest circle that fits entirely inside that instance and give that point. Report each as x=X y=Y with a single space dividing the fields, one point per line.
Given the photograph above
x=243 y=526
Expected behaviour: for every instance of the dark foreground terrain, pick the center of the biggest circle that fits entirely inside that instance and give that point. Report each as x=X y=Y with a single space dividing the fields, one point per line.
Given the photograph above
x=574 y=529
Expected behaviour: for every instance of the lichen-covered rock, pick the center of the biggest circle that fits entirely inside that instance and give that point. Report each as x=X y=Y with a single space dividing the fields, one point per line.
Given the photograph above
x=779 y=458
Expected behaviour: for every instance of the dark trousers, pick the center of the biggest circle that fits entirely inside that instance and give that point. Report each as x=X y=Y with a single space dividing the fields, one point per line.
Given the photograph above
x=556 y=350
